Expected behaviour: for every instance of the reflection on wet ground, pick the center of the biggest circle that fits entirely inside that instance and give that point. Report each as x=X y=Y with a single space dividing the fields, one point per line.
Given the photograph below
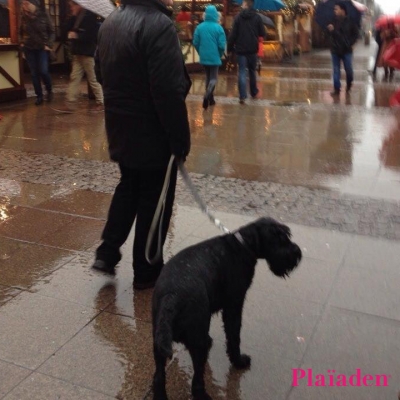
x=296 y=133
x=67 y=332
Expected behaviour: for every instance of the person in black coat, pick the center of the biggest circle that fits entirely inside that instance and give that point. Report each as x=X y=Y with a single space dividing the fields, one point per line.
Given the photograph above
x=81 y=32
x=243 y=40
x=343 y=34
x=145 y=83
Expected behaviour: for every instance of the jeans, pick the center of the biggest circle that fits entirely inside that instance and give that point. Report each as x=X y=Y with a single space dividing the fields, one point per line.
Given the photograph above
x=38 y=62
x=247 y=61
x=348 y=67
x=136 y=197
x=83 y=65
x=211 y=80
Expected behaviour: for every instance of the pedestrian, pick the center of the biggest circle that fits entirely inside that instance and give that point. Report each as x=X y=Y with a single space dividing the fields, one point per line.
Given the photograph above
x=343 y=35
x=388 y=34
x=209 y=40
x=184 y=15
x=243 y=40
x=81 y=32
x=36 y=34
x=145 y=84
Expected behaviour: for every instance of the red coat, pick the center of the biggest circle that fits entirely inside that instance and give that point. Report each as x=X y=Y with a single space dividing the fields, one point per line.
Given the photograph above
x=183 y=16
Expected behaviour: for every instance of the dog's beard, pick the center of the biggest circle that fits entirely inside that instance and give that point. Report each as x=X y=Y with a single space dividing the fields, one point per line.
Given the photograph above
x=283 y=260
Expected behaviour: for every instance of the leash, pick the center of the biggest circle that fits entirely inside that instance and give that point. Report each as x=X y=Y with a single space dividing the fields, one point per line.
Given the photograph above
x=159 y=216
x=159 y=213
x=199 y=200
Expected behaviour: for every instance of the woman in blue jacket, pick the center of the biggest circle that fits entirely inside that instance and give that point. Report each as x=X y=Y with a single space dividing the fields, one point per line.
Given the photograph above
x=210 y=41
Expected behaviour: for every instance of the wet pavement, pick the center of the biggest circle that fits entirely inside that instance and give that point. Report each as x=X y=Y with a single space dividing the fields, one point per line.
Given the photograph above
x=329 y=168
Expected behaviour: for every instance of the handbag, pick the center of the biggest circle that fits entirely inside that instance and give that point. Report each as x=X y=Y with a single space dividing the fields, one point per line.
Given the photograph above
x=391 y=56
x=230 y=62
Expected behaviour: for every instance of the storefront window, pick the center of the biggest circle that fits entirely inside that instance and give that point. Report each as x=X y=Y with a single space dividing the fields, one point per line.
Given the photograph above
x=4 y=22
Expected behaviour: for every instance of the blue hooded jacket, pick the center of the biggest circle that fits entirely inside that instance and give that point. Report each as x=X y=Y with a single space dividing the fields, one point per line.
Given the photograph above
x=209 y=38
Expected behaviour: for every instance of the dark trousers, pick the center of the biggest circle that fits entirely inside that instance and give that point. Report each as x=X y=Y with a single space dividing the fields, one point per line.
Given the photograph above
x=348 y=67
x=211 y=80
x=249 y=62
x=38 y=62
x=378 y=54
x=136 y=197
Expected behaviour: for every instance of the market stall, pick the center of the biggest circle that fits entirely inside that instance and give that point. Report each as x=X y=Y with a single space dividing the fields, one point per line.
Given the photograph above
x=11 y=75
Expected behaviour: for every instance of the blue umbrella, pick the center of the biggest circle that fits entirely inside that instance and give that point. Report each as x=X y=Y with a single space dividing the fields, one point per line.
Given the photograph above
x=324 y=14
x=266 y=5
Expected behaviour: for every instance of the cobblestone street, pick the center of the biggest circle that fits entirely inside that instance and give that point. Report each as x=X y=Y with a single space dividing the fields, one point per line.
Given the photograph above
x=330 y=168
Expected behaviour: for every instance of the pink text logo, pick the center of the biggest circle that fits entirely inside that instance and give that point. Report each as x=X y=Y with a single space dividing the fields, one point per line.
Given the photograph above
x=331 y=378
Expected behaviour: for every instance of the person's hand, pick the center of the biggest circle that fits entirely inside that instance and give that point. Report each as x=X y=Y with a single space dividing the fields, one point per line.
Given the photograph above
x=180 y=159
x=72 y=35
x=47 y=48
x=330 y=27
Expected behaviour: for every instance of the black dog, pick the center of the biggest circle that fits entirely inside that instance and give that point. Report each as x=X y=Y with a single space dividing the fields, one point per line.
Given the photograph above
x=203 y=279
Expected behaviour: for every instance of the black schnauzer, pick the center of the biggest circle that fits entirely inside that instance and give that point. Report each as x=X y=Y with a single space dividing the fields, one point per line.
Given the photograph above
x=208 y=277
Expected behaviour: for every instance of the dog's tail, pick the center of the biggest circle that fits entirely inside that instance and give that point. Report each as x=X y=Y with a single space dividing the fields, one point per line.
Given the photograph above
x=163 y=332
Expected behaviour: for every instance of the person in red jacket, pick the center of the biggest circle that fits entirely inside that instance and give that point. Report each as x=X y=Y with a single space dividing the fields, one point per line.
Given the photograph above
x=184 y=15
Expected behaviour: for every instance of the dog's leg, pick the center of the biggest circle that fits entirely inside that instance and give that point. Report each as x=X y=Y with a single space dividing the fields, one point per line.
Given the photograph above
x=199 y=354
x=159 y=390
x=232 y=323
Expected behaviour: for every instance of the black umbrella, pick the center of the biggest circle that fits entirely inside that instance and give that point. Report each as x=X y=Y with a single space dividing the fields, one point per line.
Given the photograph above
x=324 y=14
x=267 y=21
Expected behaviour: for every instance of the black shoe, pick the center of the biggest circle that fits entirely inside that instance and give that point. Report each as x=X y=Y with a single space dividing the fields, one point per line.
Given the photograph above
x=147 y=278
x=205 y=103
x=254 y=97
x=39 y=101
x=212 y=102
x=144 y=285
x=335 y=93
x=49 y=96
x=348 y=87
x=242 y=101
x=102 y=266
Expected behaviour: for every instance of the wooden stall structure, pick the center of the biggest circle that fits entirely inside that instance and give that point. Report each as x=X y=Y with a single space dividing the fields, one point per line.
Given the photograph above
x=11 y=74
x=11 y=58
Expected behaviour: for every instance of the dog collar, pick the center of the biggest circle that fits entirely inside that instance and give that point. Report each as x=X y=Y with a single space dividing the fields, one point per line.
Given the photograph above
x=240 y=239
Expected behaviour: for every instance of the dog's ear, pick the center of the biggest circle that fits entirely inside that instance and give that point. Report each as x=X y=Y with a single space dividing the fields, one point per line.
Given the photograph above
x=275 y=229
x=283 y=231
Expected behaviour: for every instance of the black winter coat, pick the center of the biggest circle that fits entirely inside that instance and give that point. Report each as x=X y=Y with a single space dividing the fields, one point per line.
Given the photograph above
x=344 y=36
x=247 y=28
x=87 y=32
x=145 y=84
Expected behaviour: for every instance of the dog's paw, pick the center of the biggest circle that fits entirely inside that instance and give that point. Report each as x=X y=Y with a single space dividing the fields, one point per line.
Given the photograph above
x=243 y=362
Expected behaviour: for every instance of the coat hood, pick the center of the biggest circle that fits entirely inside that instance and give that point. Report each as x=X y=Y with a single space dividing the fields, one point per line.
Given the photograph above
x=248 y=13
x=211 y=14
